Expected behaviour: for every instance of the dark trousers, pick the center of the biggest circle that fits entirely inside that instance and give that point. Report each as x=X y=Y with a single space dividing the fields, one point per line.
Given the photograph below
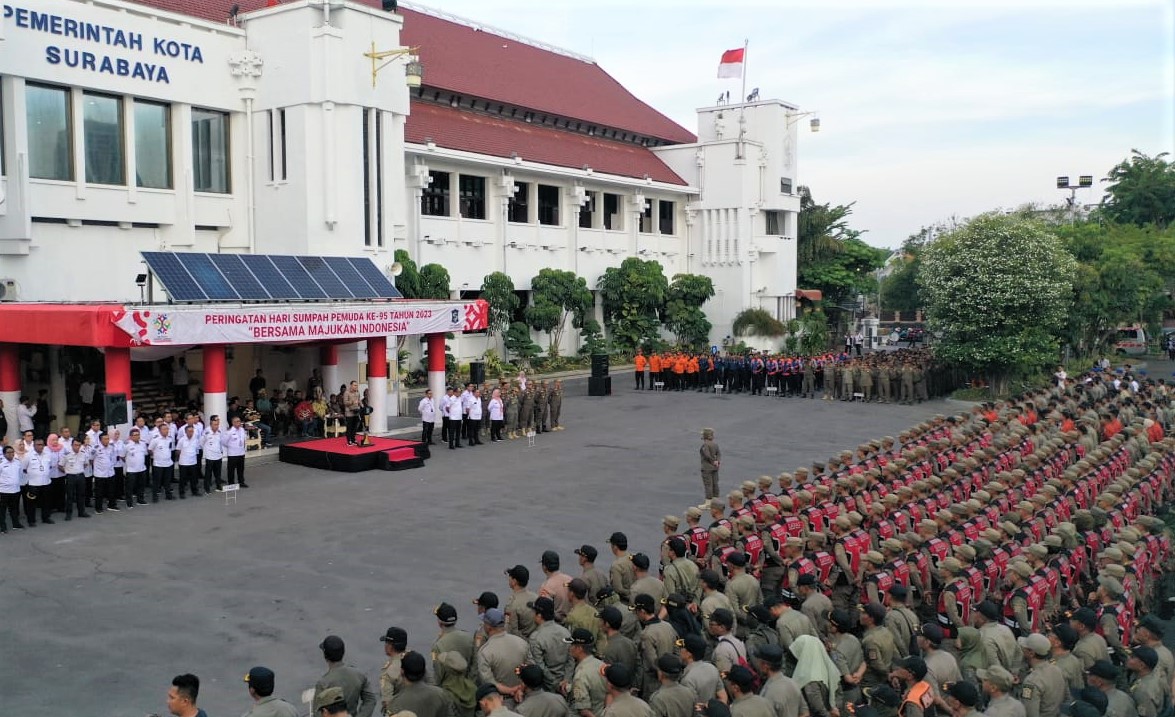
x=640 y=380
x=133 y=485
x=105 y=493
x=10 y=507
x=236 y=469
x=56 y=495
x=352 y=428
x=496 y=430
x=161 y=480
x=37 y=497
x=474 y=435
x=75 y=494
x=426 y=428
x=211 y=473
x=454 y=433
x=190 y=479
x=445 y=428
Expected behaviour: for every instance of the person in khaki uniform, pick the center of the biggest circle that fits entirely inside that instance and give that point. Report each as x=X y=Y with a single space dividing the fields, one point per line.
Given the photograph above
x=587 y=690
x=537 y=701
x=547 y=645
x=621 y=575
x=1103 y=675
x=555 y=401
x=711 y=456
x=1091 y=647
x=391 y=677
x=261 y=683
x=743 y=591
x=644 y=583
x=501 y=654
x=681 y=575
x=712 y=599
x=996 y=638
x=357 y=693
x=1149 y=693
x=519 y=614
x=743 y=700
x=621 y=701
x=877 y=644
x=450 y=639
x=789 y=622
x=582 y=614
x=1149 y=633
x=657 y=638
x=416 y=695
x=618 y=649
x=997 y=684
x=1063 y=637
x=593 y=576
x=780 y=691
x=672 y=699
x=1043 y=689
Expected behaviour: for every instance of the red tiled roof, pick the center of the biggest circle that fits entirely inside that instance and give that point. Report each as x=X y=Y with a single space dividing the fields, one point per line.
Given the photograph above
x=459 y=58
x=500 y=137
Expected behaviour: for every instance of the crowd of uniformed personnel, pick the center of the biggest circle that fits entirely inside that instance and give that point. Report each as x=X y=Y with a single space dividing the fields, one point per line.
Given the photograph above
x=904 y=376
x=1006 y=560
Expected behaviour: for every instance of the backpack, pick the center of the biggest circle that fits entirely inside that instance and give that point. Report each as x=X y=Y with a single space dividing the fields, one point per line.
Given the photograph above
x=757 y=682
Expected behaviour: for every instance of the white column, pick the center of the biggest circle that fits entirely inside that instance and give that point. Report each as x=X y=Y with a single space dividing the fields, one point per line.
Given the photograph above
x=377 y=384
x=11 y=399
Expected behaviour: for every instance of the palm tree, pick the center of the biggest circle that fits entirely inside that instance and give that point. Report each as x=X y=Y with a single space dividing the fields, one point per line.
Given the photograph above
x=821 y=228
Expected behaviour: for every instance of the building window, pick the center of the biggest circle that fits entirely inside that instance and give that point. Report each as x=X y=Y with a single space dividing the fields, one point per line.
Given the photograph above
x=774 y=223
x=647 y=217
x=105 y=155
x=50 y=132
x=210 y=158
x=152 y=145
x=785 y=185
x=518 y=209
x=373 y=171
x=613 y=218
x=548 y=205
x=473 y=197
x=434 y=201
x=277 y=145
x=665 y=215
x=587 y=211
x=366 y=134
x=379 y=176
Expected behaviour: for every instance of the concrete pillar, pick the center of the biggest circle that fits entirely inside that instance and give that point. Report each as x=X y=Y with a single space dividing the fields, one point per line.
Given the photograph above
x=377 y=384
x=10 y=386
x=329 y=354
x=118 y=380
x=436 y=368
x=57 y=400
x=215 y=383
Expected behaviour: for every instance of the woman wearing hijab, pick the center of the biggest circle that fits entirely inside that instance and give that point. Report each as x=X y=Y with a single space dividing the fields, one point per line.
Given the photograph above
x=678 y=615
x=971 y=654
x=817 y=676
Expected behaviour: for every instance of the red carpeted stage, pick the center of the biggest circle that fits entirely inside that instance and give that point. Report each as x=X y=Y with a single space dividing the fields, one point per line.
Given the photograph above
x=333 y=454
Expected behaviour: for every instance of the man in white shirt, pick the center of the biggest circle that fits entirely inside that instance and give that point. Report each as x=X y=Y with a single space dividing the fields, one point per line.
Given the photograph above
x=188 y=447
x=86 y=392
x=428 y=417
x=73 y=463
x=103 y=457
x=37 y=466
x=94 y=433
x=25 y=411
x=288 y=385
x=455 y=414
x=234 y=450
x=474 y=415
x=445 y=401
x=134 y=456
x=464 y=425
x=213 y=444
x=12 y=480
x=162 y=465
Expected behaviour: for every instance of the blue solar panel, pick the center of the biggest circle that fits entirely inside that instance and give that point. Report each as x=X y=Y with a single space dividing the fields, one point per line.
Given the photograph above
x=330 y=283
x=299 y=279
x=352 y=278
x=271 y=279
x=209 y=277
x=368 y=270
x=168 y=268
x=240 y=277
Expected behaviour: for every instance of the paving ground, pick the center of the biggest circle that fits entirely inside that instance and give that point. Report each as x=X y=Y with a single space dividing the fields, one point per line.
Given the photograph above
x=99 y=615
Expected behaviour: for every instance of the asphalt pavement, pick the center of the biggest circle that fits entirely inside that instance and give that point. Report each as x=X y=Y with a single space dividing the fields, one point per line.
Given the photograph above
x=100 y=614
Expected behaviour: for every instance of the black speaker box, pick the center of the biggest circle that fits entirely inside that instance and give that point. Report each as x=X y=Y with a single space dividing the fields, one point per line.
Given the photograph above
x=600 y=386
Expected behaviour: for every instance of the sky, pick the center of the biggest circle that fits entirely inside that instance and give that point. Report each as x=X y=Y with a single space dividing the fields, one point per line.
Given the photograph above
x=929 y=109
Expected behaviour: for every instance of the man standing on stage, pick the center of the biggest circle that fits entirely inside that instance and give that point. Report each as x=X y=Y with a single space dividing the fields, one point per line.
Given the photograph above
x=352 y=404
x=428 y=417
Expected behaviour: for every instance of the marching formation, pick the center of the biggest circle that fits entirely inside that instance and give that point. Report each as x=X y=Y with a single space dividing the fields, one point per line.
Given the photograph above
x=98 y=470
x=1007 y=560
x=903 y=376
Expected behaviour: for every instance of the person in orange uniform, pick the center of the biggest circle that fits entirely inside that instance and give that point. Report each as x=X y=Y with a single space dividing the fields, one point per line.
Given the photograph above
x=641 y=362
x=692 y=371
x=654 y=370
x=679 y=365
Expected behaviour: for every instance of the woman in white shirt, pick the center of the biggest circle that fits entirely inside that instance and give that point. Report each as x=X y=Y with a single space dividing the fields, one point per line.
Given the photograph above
x=497 y=416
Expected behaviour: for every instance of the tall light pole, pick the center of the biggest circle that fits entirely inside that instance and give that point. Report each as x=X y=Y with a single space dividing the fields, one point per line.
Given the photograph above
x=1084 y=181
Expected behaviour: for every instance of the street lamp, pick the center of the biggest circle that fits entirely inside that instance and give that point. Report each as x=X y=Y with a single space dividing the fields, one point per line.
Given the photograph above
x=413 y=67
x=1084 y=181
x=813 y=123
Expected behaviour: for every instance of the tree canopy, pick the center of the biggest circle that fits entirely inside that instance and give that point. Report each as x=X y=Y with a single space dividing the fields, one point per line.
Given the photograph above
x=498 y=291
x=683 y=309
x=1141 y=191
x=633 y=295
x=555 y=295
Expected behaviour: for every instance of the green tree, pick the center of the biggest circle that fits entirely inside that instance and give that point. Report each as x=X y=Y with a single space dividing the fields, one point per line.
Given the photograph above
x=997 y=287
x=518 y=342
x=408 y=282
x=498 y=291
x=592 y=338
x=633 y=296
x=757 y=322
x=813 y=332
x=434 y=282
x=683 y=309
x=1141 y=190
x=556 y=295
x=843 y=275
x=821 y=228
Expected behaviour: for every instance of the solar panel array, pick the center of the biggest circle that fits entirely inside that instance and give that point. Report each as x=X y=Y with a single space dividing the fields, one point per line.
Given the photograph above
x=209 y=278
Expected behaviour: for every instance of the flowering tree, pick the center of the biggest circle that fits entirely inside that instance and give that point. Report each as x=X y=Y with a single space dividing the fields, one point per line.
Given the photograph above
x=998 y=288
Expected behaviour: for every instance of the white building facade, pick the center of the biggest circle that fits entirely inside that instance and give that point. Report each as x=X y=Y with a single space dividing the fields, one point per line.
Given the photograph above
x=140 y=126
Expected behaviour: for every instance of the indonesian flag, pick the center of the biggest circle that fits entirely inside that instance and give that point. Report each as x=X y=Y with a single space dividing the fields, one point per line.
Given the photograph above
x=731 y=64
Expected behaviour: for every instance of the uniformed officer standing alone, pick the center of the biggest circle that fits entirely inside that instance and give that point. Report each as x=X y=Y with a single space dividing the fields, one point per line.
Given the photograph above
x=711 y=458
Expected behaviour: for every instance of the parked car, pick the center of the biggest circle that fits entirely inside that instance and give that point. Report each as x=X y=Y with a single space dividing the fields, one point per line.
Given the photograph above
x=1130 y=341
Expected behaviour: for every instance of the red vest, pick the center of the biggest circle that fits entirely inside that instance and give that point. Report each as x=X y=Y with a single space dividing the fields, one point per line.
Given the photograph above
x=753 y=545
x=900 y=570
x=939 y=549
x=962 y=592
x=1034 y=600
x=884 y=581
x=723 y=554
x=697 y=541
x=778 y=534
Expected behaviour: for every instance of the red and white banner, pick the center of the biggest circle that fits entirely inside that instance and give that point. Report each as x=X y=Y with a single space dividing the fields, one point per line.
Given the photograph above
x=185 y=326
x=731 y=64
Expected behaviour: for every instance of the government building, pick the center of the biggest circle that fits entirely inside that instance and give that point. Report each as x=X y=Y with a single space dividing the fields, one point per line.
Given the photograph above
x=346 y=129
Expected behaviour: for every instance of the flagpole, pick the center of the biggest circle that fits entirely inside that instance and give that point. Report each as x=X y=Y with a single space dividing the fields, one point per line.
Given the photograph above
x=742 y=120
